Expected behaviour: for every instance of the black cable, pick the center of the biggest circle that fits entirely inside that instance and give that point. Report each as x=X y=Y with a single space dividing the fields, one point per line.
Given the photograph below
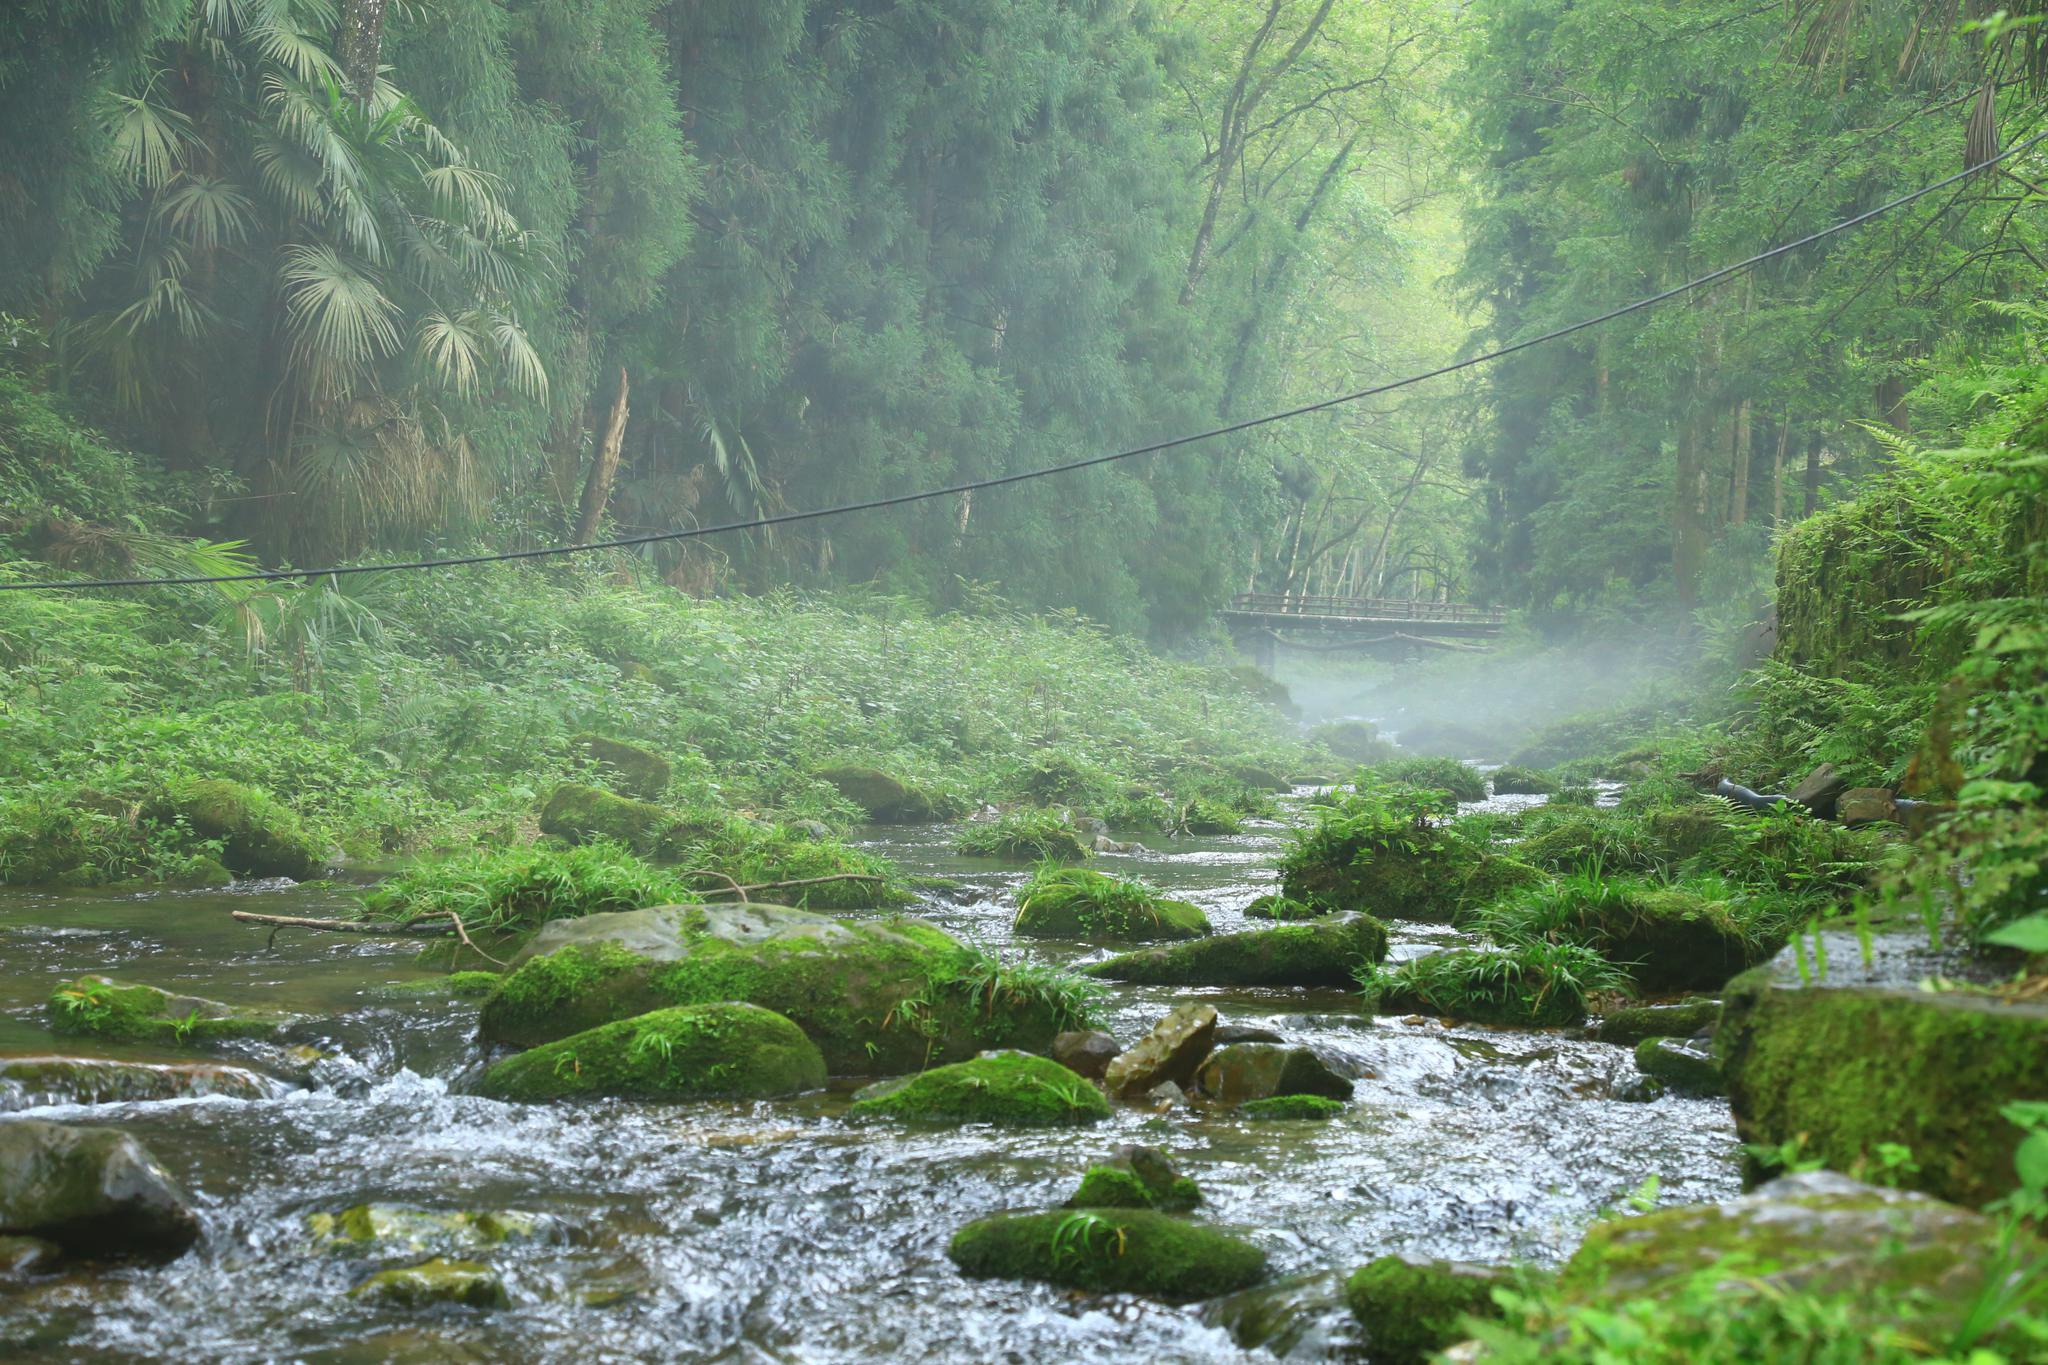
x=954 y=490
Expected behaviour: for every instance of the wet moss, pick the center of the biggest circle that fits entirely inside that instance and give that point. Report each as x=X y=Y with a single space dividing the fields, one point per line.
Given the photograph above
x=579 y=814
x=1313 y=1107
x=1135 y=1251
x=1110 y=1187
x=1846 y=1069
x=692 y=1052
x=1413 y=1309
x=1137 y=1178
x=391 y=1230
x=1281 y=908
x=132 y=1012
x=884 y=799
x=439 y=1281
x=1327 y=952
x=1072 y=902
x=259 y=835
x=1681 y=1019
x=1011 y=1089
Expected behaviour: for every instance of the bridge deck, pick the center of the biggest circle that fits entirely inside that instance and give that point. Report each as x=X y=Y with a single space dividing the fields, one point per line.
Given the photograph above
x=1345 y=615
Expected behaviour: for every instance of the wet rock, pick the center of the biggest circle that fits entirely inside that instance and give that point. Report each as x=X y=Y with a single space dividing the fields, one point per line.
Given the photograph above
x=1166 y=1096
x=842 y=983
x=1512 y=780
x=578 y=814
x=631 y=770
x=1170 y=1052
x=1820 y=789
x=1851 y=1059
x=92 y=1191
x=1314 y=1108
x=1085 y=1052
x=1425 y=876
x=439 y=1281
x=1257 y=1071
x=394 y=1230
x=1326 y=952
x=886 y=800
x=1411 y=1308
x=259 y=835
x=688 y=1052
x=1227 y=1032
x=1281 y=908
x=130 y=1011
x=1074 y=903
x=1136 y=1178
x=1684 y=1065
x=1011 y=1089
x=1903 y=1255
x=1681 y=1019
x=1866 y=806
x=32 y=1082
x=21 y=1257
x=1105 y=844
x=1299 y=1318
x=1356 y=740
x=1136 y=1251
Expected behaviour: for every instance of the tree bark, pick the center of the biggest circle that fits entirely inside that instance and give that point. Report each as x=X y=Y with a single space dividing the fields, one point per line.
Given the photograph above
x=604 y=467
x=1738 y=495
x=362 y=45
x=1689 y=517
x=1813 y=474
x=1778 y=471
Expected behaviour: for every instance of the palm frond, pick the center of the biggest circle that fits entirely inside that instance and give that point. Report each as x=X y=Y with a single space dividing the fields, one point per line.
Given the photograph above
x=206 y=212
x=340 y=319
x=148 y=140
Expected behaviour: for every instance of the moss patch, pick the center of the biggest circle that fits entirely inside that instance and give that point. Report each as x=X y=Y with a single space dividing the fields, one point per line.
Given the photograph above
x=1013 y=1089
x=692 y=1052
x=1413 y=1309
x=1136 y=1251
x=1136 y=1178
x=630 y=769
x=578 y=814
x=132 y=1012
x=438 y=1281
x=399 y=1230
x=1312 y=1107
x=1326 y=952
x=1072 y=902
x=259 y=835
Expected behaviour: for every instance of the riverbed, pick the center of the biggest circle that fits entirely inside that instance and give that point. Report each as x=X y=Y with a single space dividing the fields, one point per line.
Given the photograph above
x=756 y=1232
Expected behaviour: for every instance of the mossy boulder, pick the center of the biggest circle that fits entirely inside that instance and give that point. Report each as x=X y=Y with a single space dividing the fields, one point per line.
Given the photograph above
x=259 y=835
x=1314 y=1108
x=1243 y=1072
x=1025 y=836
x=1513 y=780
x=1135 y=1251
x=1631 y=1024
x=91 y=1191
x=1136 y=1178
x=629 y=769
x=1902 y=1254
x=876 y=997
x=1412 y=1309
x=1429 y=876
x=439 y=1281
x=1849 y=1060
x=129 y=1011
x=689 y=1052
x=1011 y=1089
x=1511 y=987
x=887 y=800
x=27 y=1082
x=1326 y=952
x=1258 y=777
x=1277 y=907
x=579 y=814
x=1666 y=938
x=1075 y=903
x=399 y=1230
x=1684 y=1065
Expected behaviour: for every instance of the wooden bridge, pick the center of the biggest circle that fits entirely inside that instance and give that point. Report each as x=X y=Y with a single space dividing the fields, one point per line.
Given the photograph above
x=1256 y=620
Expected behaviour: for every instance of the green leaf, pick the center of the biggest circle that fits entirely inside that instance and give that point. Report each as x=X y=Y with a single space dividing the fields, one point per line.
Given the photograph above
x=2029 y=935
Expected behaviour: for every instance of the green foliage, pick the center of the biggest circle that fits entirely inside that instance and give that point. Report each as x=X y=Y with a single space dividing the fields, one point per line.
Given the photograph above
x=1026 y=835
x=524 y=888
x=1075 y=902
x=1463 y=781
x=1533 y=985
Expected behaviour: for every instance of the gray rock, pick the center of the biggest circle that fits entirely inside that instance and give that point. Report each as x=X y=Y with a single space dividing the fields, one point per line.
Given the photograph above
x=1245 y=1033
x=1166 y=1095
x=669 y=933
x=92 y=1191
x=1820 y=789
x=1170 y=1052
x=1243 y=1072
x=1086 y=1052
x=1866 y=806
x=32 y=1082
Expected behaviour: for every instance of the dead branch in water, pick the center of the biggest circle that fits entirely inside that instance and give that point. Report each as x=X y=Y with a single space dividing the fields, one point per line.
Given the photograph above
x=427 y=926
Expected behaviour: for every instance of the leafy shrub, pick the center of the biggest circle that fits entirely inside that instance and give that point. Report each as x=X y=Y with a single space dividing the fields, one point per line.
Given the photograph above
x=1461 y=780
x=523 y=888
x=1036 y=835
x=1532 y=985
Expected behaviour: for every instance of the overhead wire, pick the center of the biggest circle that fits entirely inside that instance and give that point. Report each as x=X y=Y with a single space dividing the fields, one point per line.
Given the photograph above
x=1071 y=466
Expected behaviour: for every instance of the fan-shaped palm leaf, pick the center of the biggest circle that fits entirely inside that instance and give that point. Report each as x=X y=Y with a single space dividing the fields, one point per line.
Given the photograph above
x=148 y=140
x=452 y=349
x=206 y=212
x=520 y=359
x=339 y=317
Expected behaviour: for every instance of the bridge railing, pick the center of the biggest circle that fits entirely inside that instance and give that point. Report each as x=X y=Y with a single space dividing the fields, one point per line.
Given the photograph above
x=1378 y=608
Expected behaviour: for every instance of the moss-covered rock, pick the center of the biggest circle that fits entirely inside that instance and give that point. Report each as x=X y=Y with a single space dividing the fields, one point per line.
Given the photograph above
x=1244 y=1072
x=439 y=1281
x=1397 y=870
x=1024 y=836
x=1277 y=907
x=1326 y=952
x=1684 y=1065
x=1135 y=1251
x=1012 y=1089
x=1315 y=1108
x=1537 y=985
x=1075 y=903
x=1355 y=740
x=1631 y=1024
x=1412 y=1309
x=92 y=1191
x=1665 y=938
x=1136 y=1178
x=1258 y=777
x=398 y=1230
x=259 y=835
x=629 y=769
x=132 y=1012
x=27 y=1082
x=1206 y=819
x=690 y=1052
x=1513 y=780
x=887 y=800
x=578 y=814
x=1846 y=1067
x=876 y=997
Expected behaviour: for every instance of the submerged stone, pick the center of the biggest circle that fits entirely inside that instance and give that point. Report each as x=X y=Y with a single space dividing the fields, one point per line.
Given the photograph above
x=689 y=1052
x=1685 y=1065
x=844 y=983
x=1327 y=952
x=1011 y=1089
x=632 y=770
x=1135 y=1251
x=1243 y=1072
x=1170 y=1052
x=1298 y=1318
x=1412 y=1309
x=1311 y=1107
x=885 y=799
x=401 y=1230
x=92 y=1191
x=32 y=1082
x=1680 y=1019
x=439 y=1281
x=133 y=1012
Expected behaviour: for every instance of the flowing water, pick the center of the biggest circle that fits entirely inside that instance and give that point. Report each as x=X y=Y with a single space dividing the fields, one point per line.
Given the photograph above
x=777 y=1231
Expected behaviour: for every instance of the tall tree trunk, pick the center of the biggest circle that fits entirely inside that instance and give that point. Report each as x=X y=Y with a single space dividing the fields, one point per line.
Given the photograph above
x=361 y=45
x=604 y=467
x=1689 y=517
x=1738 y=496
x=1813 y=474
x=1778 y=471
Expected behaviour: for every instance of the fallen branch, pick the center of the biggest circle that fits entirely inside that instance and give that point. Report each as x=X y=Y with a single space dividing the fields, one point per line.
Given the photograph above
x=794 y=881
x=426 y=926
x=738 y=890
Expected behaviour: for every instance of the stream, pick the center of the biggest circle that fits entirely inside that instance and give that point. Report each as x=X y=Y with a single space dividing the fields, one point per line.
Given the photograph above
x=755 y=1232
